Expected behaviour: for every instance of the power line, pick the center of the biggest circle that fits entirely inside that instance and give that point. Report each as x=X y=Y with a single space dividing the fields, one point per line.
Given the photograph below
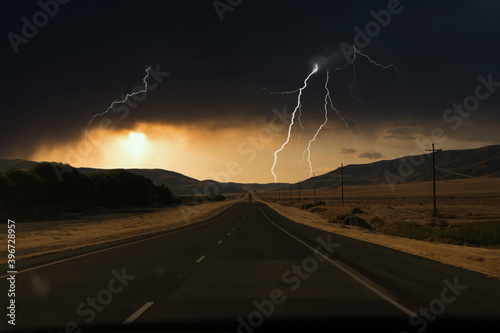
x=455 y=173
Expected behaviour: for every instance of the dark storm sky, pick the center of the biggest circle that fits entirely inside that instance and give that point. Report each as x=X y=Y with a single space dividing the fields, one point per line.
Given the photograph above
x=91 y=52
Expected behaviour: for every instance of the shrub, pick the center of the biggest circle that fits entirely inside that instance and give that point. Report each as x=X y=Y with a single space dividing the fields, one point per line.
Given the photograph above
x=219 y=197
x=412 y=230
x=481 y=234
x=357 y=210
x=317 y=209
x=442 y=223
x=376 y=220
x=306 y=206
x=357 y=221
x=340 y=218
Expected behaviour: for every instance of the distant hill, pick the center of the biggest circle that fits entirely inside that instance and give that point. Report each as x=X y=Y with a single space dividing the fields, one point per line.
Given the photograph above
x=16 y=164
x=480 y=162
x=178 y=183
x=158 y=176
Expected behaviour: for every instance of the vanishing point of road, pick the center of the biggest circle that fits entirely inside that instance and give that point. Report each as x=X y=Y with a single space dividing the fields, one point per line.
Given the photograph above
x=248 y=269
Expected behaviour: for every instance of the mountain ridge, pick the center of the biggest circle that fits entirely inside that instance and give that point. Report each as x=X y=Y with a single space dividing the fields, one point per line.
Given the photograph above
x=450 y=164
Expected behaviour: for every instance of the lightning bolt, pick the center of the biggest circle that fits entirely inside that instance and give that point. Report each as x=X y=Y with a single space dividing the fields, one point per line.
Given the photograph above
x=376 y=63
x=297 y=108
x=328 y=103
x=340 y=115
x=308 y=150
x=354 y=82
x=355 y=77
x=127 y=96
x=354 y=72
x=300 y=106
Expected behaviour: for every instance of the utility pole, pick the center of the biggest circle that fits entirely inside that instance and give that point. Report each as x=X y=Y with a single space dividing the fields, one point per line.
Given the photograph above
x=299 y=190
x=342 y=181
x=434 y=176
x=290 y=192
x=314 y=187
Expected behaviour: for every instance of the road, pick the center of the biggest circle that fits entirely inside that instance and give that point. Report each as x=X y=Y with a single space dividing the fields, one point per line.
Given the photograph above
x=249 y=269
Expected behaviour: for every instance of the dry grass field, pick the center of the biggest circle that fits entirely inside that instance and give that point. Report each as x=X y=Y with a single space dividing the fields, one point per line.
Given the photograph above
x=40 y=240
x=458 y=202
x=401 y=219
x=466 y=232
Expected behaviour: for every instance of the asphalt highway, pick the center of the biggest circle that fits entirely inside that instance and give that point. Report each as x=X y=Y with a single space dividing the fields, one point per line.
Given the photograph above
x=247 y=270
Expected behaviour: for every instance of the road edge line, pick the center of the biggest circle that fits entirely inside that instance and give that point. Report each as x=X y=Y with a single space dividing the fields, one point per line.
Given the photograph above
x=138 y=313
x=347 y=271
x=132 y=241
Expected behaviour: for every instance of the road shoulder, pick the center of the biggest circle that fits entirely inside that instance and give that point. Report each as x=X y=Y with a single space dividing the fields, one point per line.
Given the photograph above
x=482 y=260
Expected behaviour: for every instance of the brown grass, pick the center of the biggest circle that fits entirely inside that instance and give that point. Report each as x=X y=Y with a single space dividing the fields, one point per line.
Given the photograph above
x=460 y=202
x=40 y=240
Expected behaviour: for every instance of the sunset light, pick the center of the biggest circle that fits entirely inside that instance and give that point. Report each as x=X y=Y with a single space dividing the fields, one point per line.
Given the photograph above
x=136 y=143
x=244 y=166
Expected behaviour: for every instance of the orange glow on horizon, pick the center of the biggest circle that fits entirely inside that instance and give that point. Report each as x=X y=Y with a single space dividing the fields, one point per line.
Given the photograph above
x=210 y=152
x=193 y=151
x=200 y=151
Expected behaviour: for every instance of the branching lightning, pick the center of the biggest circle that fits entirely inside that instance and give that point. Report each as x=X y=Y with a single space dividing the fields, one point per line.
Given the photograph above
x=354 y=82
x=298 y=107
x=376 y=63
x=340 y=115
x=328 y=103
x=127 y=96
x=308 y=150
x=355 y=75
